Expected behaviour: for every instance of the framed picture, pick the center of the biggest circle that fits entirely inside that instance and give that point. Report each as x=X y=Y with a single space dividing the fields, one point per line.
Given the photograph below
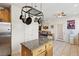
x=71 y=24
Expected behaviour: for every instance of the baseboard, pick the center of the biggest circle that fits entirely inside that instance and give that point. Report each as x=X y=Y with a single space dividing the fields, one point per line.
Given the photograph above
x=61 y=41
x=16 y=53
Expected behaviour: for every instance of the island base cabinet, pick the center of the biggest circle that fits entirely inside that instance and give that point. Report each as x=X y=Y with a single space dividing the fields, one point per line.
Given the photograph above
x=43 y=50
x=49 y=51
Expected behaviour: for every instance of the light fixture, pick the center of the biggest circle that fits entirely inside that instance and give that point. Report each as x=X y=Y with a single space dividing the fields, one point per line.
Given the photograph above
x=60 y=14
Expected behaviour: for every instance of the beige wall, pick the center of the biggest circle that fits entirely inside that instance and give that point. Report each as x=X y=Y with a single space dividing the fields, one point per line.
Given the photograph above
x=20 y=31
x=65 y=30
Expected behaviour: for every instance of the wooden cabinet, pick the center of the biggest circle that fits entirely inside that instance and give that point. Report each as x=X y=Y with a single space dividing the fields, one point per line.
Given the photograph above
x=25 y=51
x=49 y=49
x=36 y=52
x=39 y=51
x=49 y=52
x=5 y=15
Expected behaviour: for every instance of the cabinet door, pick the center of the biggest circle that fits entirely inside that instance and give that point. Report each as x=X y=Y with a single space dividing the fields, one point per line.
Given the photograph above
x=49 y=51
x=39 y=50
x=5 y=15
x=25 y=51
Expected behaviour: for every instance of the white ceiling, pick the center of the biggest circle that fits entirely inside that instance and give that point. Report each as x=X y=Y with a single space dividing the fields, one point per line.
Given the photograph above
x=50 y=9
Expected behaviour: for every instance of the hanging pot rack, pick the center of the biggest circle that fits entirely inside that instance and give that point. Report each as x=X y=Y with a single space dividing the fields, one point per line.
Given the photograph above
x=31 y=12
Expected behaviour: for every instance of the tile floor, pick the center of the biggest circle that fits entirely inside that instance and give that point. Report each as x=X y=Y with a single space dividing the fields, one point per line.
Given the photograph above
x=65 y=49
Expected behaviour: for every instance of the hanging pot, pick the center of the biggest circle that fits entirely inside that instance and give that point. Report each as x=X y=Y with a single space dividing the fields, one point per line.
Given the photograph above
x=28 y=20
x=39 y=21
x=21 y=17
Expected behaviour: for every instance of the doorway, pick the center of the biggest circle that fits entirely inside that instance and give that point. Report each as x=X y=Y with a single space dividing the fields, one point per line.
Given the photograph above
x=60 y=32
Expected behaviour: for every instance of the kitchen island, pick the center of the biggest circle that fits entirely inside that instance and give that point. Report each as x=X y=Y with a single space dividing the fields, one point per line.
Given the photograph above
x=37 y=48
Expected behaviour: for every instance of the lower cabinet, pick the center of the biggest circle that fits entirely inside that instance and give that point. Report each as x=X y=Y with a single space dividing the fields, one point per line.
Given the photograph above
x=40 y=51
x=25 y=51
x=49 y=49
x=49 y=52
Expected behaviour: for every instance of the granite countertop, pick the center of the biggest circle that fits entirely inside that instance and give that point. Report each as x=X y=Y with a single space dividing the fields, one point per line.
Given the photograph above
x=33 y=44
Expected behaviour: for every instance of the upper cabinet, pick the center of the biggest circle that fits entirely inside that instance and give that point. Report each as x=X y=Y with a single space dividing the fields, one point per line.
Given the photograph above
x=5 y=15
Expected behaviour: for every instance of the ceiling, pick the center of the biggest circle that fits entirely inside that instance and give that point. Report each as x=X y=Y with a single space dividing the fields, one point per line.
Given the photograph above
x=50 y=9
x=70 y=9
